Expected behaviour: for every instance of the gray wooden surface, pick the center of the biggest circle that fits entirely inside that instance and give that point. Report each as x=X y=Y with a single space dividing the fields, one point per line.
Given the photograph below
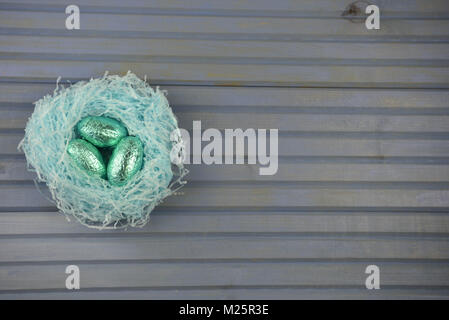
x=364 y=149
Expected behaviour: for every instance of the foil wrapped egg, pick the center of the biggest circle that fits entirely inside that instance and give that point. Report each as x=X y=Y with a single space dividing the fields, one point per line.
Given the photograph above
x=101 y=131
x=87 y=157
x=126 y=160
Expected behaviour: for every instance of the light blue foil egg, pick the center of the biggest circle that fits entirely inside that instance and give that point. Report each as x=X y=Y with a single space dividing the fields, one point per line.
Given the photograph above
x=87 y=157
x=126 y=161
x=101 y=131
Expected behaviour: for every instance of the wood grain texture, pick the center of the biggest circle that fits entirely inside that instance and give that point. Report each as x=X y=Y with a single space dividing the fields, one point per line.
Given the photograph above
x=236 y=293
x=420 y=6
x=231 y=221
x=217 y=98
x=192 y=247
x=216 y=25
x=286 y=195
x=146 y=49
x=237 y=74
x=363 y=143
x=179 y=275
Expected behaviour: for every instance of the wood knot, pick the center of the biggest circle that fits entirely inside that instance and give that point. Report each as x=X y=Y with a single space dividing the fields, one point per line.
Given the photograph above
x=355 y=11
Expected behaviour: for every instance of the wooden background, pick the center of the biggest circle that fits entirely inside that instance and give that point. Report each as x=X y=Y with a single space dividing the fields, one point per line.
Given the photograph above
x=364 y=150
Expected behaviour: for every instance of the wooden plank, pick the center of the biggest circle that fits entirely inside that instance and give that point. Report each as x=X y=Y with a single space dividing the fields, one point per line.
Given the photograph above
x=298 y=146
x=219 y=25
x=16 y=118
x=235 y=293
x=330 y=195
x=9 y=143
x=328 y=6
x=160 y=275
x=223 y=97
x=146 y=49
x=235 y=74
x=320 y=146
x=323 y=172
x=169 y=247
x=50 y=223
x=15 y=169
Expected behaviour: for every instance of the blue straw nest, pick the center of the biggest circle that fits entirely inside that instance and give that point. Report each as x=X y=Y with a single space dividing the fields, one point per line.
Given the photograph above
x=94 y=202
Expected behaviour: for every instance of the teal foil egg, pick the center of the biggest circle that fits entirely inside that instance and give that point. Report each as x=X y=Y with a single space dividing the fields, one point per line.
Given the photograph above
x=87 y=157
x=126 y=161
x=101 y=131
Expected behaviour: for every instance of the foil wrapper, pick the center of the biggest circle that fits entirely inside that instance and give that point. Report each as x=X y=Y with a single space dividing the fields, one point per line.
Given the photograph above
x=101 y=131
x=87 y=157
x=126 y=160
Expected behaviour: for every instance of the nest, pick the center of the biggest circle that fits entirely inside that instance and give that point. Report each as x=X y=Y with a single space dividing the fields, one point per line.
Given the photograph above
x=94 y=202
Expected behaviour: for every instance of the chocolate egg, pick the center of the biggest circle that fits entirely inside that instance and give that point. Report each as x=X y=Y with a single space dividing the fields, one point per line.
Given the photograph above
x=101 y=131
x=126 y=161
x=87 y=157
